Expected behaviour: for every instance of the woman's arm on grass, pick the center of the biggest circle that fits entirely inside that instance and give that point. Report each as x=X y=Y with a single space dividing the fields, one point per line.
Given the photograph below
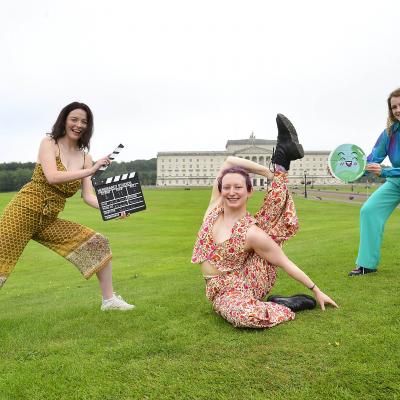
x=266 y=248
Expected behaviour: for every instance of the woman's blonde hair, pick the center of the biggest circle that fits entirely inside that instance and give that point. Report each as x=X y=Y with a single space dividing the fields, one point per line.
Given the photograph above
x=391 y=118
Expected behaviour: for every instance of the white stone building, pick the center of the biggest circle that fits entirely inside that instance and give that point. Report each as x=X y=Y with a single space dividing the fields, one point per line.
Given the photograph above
x=199 y=168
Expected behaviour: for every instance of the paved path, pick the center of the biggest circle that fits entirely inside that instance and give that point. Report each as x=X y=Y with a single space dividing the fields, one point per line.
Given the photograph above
x=321 y=195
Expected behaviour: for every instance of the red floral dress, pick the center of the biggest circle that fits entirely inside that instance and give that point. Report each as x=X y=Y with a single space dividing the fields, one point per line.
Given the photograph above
x=237 y=294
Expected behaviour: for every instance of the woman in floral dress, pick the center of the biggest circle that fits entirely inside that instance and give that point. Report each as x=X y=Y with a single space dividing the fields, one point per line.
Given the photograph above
x=239 y=253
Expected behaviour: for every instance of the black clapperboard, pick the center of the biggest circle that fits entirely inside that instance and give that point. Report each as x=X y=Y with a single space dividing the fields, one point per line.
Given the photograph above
x=118 y=193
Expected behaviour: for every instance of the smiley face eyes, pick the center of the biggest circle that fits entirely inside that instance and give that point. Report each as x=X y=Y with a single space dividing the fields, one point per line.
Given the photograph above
x=352 y=157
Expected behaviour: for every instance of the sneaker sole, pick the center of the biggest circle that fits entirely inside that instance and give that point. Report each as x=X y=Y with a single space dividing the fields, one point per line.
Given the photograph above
x=290 y=127
x=300 y=151
x=116 y=308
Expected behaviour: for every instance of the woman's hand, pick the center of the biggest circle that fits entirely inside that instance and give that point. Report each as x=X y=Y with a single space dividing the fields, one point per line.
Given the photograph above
x=103 y=162
x=374 y=168
x=124 y=215
x=323 y=299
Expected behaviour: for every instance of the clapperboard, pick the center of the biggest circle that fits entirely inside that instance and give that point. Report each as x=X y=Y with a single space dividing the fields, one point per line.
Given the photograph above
x=118 y=193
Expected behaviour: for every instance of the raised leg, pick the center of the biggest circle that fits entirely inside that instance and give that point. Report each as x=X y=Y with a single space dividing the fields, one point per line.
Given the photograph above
x=277 y=215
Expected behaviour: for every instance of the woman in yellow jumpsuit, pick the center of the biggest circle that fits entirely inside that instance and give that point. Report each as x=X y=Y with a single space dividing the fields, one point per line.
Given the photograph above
x=62 y=168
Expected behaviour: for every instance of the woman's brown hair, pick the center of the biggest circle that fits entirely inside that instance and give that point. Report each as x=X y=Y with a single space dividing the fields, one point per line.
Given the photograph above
x=58 y=130
x=391 y=118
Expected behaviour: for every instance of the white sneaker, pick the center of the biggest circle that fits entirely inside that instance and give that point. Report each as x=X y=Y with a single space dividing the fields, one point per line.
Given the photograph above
x=116 y=303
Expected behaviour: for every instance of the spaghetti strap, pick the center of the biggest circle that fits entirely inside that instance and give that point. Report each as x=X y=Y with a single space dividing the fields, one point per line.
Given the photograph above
x=84 y=159
x=59 y=151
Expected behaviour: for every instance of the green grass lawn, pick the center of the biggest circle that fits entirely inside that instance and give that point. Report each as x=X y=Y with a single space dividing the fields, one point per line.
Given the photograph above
x=55 y=343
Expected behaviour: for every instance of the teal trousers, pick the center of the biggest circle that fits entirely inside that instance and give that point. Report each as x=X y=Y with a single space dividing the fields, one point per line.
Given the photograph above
x=373 y=216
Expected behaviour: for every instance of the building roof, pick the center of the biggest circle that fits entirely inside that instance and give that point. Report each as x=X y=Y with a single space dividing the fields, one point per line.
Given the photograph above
x=192 y=153
x=251 y=150
x=250 y=142
x=225 y=153
x=317 y=152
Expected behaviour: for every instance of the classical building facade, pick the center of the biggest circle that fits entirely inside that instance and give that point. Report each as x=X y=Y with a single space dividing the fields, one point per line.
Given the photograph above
x=199 y=168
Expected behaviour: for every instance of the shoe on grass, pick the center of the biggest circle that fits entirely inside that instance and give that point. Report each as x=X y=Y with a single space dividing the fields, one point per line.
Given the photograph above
x=296 y=303
x=288 y=147
x=116 y=302
x=361 y=271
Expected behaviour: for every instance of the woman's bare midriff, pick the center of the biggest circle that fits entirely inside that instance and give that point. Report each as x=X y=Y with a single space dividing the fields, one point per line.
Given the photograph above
x=209 y=271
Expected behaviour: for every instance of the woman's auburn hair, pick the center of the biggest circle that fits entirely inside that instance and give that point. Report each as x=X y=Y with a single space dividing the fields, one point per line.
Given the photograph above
x=391 y=120
x=236 y=170
x=58 y=130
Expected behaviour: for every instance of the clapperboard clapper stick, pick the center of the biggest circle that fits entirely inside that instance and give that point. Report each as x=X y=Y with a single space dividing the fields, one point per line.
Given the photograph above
x=118 y=193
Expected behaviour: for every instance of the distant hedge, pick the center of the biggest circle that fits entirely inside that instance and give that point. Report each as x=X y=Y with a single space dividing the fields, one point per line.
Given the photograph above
x=14 y=175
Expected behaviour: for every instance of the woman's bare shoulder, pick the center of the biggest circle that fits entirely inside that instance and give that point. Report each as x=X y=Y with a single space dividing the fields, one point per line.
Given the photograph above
x=48 y=141
x=88 y=159
x=255 y=233
x=48 y=147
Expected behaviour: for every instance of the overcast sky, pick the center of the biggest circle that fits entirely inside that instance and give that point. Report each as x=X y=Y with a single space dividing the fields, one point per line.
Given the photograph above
x=189 y=75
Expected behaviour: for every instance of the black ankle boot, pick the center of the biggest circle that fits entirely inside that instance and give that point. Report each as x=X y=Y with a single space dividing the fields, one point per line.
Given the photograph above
x=296 y=303
x=359 y=271
x=288 y=147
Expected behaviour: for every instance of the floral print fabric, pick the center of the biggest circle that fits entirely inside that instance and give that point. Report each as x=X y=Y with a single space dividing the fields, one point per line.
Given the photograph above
x=228 y=255
x=237 y=294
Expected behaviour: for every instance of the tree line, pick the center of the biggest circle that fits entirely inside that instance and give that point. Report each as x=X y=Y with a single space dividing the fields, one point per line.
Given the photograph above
x=14 y=175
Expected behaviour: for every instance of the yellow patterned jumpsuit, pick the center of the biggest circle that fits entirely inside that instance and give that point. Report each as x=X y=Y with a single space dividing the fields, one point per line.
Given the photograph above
x=32 y=214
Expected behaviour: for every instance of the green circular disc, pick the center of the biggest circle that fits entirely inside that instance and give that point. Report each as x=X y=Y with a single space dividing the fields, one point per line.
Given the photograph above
x=347 y=162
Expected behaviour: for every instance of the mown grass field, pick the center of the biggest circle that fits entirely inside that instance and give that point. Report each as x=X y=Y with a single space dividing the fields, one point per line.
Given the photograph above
x=55 y=343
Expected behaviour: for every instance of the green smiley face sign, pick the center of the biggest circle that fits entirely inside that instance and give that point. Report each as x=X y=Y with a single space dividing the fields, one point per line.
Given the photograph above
x=347 y=162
